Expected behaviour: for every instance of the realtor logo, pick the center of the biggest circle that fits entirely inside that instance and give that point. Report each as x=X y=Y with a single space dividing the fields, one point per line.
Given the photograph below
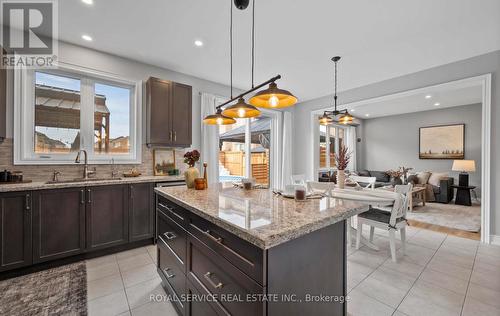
x=29 y=32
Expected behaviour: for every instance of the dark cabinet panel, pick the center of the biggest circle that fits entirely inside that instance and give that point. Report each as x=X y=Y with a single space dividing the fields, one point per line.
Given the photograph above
x=168 y=112
x=174 y=236
x=15 y=230
x=107 y=216
x=173 y=277
x=158 y=109
x=197 y=307
x=58 y=223
x=181 y=114
x=141 y=212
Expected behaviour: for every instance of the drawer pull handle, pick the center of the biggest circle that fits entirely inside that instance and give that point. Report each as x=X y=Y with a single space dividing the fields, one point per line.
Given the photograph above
x=209 y=279
x=169 y=276
x=171 y=211
x=169 y=235
x=217 y=239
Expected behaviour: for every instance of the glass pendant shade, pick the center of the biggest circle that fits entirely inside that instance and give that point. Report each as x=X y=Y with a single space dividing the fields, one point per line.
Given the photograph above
x=218 y=119
x=346 y=119
x=241 y=110
x=273 y=98
x=325 y=120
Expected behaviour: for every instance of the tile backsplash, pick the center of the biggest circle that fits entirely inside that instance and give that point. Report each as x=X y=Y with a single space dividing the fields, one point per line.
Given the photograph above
x=44 y=172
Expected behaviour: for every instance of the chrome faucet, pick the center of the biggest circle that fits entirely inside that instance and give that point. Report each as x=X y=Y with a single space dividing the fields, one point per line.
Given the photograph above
x=86 y=171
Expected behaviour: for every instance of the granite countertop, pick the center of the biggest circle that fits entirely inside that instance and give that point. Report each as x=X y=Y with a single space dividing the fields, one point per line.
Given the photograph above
x=11 y=187
x=259 y=216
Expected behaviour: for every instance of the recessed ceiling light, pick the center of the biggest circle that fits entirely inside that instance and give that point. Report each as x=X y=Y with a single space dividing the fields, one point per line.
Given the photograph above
x=198 y=43
x=428 y=96
x=88 y=1
x=437 y=104
x=353 y=110
x=367 y=115
x=87 y=38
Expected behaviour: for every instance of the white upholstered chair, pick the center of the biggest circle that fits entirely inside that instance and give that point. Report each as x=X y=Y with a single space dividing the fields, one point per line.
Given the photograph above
x=395 y=220
x=298 y=179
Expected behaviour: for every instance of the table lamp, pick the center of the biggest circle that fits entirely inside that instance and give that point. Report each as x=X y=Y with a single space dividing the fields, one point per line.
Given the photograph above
x=463 y=166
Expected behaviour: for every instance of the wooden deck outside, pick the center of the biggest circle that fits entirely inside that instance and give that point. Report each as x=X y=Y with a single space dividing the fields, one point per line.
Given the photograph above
x=234 y=161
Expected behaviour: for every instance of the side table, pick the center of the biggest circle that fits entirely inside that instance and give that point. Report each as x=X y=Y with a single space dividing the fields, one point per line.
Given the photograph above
x=463 y=195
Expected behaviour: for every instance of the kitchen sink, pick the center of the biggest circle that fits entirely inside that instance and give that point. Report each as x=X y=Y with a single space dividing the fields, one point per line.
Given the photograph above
x=83 y=180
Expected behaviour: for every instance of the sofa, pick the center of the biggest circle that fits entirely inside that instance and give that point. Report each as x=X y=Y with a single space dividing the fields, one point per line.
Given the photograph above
x=438 y=185
x=382 y=178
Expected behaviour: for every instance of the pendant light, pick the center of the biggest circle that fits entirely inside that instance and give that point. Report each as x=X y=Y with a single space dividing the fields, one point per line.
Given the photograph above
x=328 y=116
x=272 y=97
x=218 y=119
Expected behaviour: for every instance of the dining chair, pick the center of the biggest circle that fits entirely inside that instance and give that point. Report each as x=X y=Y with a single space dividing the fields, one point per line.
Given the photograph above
x=298 y=179
x=369 y=180
x=393 y=221
x=320 y=187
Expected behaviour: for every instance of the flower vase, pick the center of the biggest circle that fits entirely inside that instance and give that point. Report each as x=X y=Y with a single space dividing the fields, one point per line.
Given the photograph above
x=341 y=178
x=190 y=174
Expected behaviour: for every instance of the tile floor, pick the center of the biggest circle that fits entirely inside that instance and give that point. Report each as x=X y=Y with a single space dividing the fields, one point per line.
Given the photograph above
x=439 y=275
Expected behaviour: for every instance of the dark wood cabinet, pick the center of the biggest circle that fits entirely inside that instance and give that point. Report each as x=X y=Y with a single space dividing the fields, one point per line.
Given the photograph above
x=141 y=211
x=15 y=230
x=107 y=216
x=58 y=223
x=169 y=113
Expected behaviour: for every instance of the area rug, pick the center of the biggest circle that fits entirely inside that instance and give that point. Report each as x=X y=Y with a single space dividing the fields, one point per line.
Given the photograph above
x=461 y=217
x=57 y=291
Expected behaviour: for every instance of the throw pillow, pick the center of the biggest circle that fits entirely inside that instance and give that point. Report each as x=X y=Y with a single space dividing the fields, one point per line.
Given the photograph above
x=423 y=177
x=413 y=179
x=364 y=173
x=381 y=176
x=436 y=178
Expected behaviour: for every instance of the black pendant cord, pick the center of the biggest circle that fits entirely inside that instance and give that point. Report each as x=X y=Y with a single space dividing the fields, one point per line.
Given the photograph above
x=253 y=41
x=335 y=84
x=231 y=44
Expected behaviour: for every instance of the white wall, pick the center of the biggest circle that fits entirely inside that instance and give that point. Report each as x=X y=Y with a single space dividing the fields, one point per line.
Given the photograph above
x=487 y=63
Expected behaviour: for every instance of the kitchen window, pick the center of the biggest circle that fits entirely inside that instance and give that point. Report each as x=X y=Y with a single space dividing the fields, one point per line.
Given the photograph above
x=59 y=112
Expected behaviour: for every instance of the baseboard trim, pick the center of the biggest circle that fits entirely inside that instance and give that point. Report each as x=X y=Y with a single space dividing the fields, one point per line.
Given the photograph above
x=495 y=240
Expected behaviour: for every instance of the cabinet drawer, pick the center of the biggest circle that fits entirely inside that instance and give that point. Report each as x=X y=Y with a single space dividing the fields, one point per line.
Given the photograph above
x=172 y=235
x=171 y=273
x=195 y=306
x=177 y=213
x=213 y=274
x=242 y=254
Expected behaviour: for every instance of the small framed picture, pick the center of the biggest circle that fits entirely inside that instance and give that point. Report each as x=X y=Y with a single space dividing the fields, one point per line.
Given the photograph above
x=163 y=161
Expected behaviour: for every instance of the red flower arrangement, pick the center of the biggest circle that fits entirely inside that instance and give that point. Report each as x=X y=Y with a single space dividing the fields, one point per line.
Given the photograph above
x=191 y=157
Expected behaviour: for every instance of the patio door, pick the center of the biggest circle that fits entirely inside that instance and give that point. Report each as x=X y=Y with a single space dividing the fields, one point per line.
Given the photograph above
x=245 y=150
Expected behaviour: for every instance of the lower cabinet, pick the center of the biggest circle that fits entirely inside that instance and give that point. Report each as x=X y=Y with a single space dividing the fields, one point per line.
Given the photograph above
x=58 y=223
x=15 y=230
x=107 y=216
x=141 y=211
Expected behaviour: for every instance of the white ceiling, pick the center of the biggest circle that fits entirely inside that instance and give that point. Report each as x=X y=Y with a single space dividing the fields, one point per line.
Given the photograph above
x=449 y=96
x=378 y=40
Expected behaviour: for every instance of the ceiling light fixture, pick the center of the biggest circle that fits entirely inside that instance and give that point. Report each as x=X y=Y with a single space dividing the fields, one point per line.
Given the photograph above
x=367 y=115
x=428 y=96
x=88 y=38
x=89 y=2
x=437 y=104
x=276 y=99
x=198 y=43
x=328 y=116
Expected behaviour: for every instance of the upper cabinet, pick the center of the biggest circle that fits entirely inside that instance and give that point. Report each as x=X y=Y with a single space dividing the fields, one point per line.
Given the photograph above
x=168 y=108
x=3 y=98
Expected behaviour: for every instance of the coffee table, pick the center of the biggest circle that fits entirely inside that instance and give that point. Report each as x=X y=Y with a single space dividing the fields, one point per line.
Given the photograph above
x=416 y=192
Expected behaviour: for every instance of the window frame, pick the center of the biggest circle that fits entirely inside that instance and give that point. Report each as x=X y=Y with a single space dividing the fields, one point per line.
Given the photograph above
x=24 y=116
x=336 y=144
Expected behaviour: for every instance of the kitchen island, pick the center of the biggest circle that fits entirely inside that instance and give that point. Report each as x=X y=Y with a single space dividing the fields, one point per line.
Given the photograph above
x=227 y=251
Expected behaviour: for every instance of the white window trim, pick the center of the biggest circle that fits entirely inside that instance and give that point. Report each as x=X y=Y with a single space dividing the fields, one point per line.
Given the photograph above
x=24 y=91
x=328 y=144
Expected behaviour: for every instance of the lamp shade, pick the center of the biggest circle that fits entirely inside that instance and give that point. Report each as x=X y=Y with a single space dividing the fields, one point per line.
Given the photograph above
x=273 y=98
x=464 y=165
x=346 y=119
x=241 y=110
x=325 y=120
x=218 y=119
